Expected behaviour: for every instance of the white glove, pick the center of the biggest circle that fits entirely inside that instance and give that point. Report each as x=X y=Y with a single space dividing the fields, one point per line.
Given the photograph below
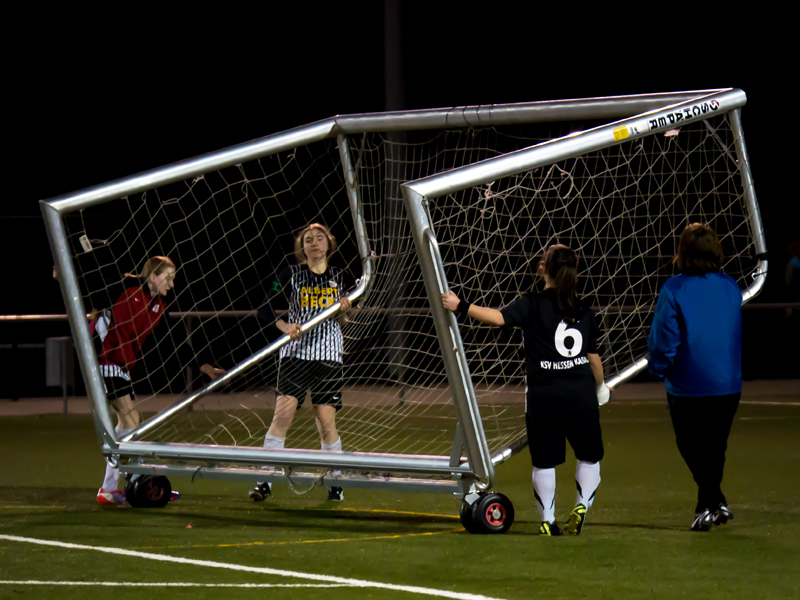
x=603 y=394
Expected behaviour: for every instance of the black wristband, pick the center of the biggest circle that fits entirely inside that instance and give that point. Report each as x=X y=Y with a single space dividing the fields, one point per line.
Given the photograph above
x=463 y=307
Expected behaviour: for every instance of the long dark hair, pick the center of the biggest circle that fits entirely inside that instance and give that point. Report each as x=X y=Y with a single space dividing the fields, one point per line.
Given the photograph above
x=561 y=264
x=699 y=250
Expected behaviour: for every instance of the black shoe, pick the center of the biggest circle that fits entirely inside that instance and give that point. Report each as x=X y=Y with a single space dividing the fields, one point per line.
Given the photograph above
x=722 y=515
x=702 y=521
x=550 y=529
x=335 y=494
x=261 y=492
x=576 y=519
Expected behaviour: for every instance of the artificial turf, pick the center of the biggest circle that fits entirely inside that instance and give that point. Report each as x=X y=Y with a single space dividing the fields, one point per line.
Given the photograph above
x=636 y=543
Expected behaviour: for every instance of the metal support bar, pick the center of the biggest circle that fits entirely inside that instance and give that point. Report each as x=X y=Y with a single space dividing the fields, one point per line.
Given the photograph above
x=754 y=215
x=78 y=324
x=449 y=337
x=458 y=446
x=317 y=459
x=613 y=107
x=440 y=486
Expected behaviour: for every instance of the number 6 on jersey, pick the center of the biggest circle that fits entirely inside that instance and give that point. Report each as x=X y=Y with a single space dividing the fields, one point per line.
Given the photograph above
x=562 y=333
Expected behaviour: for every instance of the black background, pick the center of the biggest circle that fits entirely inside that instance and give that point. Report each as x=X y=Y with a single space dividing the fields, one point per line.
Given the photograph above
x=96 y=95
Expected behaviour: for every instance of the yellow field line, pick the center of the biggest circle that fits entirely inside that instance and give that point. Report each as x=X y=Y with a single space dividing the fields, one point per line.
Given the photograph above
x=394 y=512
x=29 y=507
x=380 y=537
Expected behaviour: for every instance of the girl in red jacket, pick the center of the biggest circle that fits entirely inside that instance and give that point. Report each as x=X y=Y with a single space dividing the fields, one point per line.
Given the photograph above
x=121 y=334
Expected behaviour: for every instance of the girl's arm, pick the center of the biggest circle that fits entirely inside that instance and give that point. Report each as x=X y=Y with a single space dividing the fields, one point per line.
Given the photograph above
x=278 y=287
x=597 y=368
x=490 y=316
x=665 y=335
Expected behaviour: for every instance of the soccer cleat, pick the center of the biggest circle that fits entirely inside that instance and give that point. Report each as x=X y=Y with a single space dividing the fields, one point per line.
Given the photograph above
x=335 y=494
x=722 y=515
x=174 y=496
x=576 y=519
x=115 y=497
x=550 y=529
x=261 y=492
x=702 y=521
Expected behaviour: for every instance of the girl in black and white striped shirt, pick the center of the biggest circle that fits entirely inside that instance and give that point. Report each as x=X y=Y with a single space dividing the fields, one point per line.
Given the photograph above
x=310 y=362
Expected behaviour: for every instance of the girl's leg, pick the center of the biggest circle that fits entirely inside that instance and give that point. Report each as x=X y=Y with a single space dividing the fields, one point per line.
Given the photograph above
x=127 y=419
x=724 y=409
x=689 y=420
x=126 y=412
x=544 y=490
x=326 y=421
x=587 y=478
x=285 y=408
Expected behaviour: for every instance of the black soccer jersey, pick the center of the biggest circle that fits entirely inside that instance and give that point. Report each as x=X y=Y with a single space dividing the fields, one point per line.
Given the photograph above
x=558 y=374
x=308 y=294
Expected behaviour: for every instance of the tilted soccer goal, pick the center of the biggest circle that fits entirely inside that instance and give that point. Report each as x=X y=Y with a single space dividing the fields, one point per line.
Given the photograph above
x=419 y=201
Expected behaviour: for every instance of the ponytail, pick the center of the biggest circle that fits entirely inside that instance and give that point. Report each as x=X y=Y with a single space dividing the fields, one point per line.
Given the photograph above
x=561 y=264
x=157 y=265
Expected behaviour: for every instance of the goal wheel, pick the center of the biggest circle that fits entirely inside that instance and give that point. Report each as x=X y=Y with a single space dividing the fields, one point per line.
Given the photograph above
x=130 y=491
x=466 y=518
x=493 y=513
x=148 y=491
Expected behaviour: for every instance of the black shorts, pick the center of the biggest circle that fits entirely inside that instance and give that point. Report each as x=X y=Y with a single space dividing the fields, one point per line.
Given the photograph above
x=320 y=377
x=117 y=387
x=548 y=433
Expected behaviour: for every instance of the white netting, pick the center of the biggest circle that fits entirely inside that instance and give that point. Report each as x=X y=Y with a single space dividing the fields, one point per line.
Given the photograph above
x=230 y=231
x=622 y=209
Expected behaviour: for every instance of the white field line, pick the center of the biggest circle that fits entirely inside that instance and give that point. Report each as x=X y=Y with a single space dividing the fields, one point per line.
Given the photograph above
x=622 y=403
x=177 y=584
x=263 y=570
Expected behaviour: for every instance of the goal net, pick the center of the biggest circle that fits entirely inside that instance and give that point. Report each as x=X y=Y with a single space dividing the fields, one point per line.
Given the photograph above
x=622 y=209
x=230 y=231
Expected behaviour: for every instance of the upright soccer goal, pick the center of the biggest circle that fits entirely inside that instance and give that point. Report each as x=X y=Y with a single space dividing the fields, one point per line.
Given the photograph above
x=420 y=202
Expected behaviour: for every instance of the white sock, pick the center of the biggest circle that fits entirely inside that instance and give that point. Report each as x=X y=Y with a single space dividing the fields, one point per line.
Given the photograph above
x=111 y=480
x=333 y=446
x=587 y=478
x=544 y=488
x=271 y=442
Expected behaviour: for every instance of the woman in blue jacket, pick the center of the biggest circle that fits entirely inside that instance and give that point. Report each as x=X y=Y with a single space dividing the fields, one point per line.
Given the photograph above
x=696 y=346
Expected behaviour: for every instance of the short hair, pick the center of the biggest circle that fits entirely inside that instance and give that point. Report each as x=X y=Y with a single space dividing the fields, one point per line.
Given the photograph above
x=699 y=250
x=298 y=242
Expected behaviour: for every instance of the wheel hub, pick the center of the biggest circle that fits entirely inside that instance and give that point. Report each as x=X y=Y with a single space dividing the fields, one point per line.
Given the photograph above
x=495 y=514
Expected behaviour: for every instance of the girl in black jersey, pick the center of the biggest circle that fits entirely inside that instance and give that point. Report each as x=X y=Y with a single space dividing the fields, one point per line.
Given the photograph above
x=310 y=362
x=564 y=381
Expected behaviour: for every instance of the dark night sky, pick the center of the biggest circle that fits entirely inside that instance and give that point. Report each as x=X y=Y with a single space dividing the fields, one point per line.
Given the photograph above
x=96 y=97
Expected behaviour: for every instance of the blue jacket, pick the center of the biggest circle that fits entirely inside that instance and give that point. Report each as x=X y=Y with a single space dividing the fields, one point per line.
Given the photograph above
x=696 y=338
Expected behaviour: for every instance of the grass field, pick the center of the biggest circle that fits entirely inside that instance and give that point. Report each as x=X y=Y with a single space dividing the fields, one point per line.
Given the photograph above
x=636 y=543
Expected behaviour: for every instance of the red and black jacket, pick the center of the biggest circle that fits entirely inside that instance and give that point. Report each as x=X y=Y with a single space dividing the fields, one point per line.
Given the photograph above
x=135 y=315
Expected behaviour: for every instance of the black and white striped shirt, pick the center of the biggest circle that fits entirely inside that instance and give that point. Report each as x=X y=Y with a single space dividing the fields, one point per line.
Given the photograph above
x=309 y=294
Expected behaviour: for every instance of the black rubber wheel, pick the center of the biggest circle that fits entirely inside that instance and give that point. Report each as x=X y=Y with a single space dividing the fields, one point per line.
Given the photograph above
x=156 y=491
x=130 y=492
x=150 y=491
x=493 y=513
x=466 y=518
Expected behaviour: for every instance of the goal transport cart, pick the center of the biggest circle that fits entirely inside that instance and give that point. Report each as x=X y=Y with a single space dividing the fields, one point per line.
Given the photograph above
x=420 y=201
